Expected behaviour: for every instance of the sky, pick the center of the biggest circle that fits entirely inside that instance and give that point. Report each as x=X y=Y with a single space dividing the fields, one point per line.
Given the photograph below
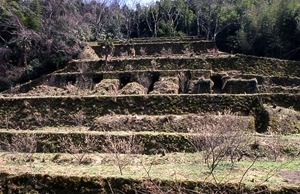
x=132 y=3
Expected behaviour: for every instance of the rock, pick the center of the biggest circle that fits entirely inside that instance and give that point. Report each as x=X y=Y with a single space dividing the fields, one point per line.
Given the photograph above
x=133 y=88
x=200 y=85
x=240 y=86
x=166 y=85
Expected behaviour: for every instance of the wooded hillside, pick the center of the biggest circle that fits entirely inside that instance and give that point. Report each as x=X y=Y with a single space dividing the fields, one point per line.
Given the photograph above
x=40 y=36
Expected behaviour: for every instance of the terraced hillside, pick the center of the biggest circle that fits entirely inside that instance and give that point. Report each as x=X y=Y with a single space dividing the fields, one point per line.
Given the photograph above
x=154 y=116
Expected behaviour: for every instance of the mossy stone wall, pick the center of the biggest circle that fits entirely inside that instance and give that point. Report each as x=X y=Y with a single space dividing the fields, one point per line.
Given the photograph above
x=156 y=48
x=10 y=183
x=245 y=64
x=24 y=113
x=56 y=111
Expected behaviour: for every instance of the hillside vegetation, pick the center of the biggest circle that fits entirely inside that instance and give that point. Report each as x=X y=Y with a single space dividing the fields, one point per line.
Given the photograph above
x=40 y=36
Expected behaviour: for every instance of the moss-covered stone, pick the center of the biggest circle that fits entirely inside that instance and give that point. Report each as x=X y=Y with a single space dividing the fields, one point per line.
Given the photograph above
x=200 y=86
x=107 y=87
x=240 y=86
x=189 y=123
x=133 y=88
x=39 y=183
x=282 y=120
x=56 y=111
x=153 y=48
x=56 y=142
x=166 y=85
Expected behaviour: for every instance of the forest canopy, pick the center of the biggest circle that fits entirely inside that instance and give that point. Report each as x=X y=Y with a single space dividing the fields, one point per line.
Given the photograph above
x=40 y=36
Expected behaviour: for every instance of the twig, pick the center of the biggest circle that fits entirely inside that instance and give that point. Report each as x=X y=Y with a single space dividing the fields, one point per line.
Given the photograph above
x=247 y=170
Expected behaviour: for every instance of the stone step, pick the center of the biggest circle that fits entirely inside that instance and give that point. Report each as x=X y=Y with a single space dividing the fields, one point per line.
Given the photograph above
x=32 y=112
x=279 y=89
x=39 y=111
x=156 y=39
x=170 y=123
x=138 y=63
x=187 y=81
x=80 y=140
x=164 y=48
x=244 y=64
x=59 y=140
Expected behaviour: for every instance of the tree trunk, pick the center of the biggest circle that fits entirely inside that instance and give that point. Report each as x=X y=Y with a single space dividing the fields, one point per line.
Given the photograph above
x=198 y=26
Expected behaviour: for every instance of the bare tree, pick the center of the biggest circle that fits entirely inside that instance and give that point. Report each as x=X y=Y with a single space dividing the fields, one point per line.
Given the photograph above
x=123 y=148
x=80 y=149
x=98 y=14
x=213 y=16
x=218 y=140
x=26 y=143
x=172 y=14
x=152 y=17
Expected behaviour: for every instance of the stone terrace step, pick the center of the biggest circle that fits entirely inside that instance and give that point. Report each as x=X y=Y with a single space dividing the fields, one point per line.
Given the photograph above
x=147 y=40
x=138 y=63
x=169 y=123
x=33 y=112
x=59 y=140
x=206 y=81
x=124 y=77
x=245 y=64
x=55 y=111
x=80 y=141
x=157 y=48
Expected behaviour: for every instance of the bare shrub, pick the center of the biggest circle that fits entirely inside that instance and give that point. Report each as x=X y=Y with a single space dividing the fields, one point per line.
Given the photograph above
x=107 y=49
x=8 y=122
x=214 y=51
x=71 y=89
x=132 y=52
x=26 y=143
x=129 y=67
x=40 y=119
x=79 y=118
x=84 y=83
x=144 y=80
x=108 y=67
x=82 y=67
x=166 y=52
x=123 y=148
x=187 y=52
x=275 y=144
x=124 y=54
x=79 y=149
x=143 y=51
x=15 y=89
x=151 y=187
x=154 y=64
x=267 y=82
x=219 y=140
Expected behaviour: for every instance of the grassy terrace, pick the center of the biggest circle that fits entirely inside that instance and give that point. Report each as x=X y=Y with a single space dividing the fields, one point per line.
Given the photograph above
x=178 y=168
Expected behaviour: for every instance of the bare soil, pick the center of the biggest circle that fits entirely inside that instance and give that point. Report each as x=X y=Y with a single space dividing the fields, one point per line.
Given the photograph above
x=291 y=176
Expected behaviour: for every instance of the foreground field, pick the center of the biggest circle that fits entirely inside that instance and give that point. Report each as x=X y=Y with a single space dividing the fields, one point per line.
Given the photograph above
x=175 y=168
x=264 y=164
